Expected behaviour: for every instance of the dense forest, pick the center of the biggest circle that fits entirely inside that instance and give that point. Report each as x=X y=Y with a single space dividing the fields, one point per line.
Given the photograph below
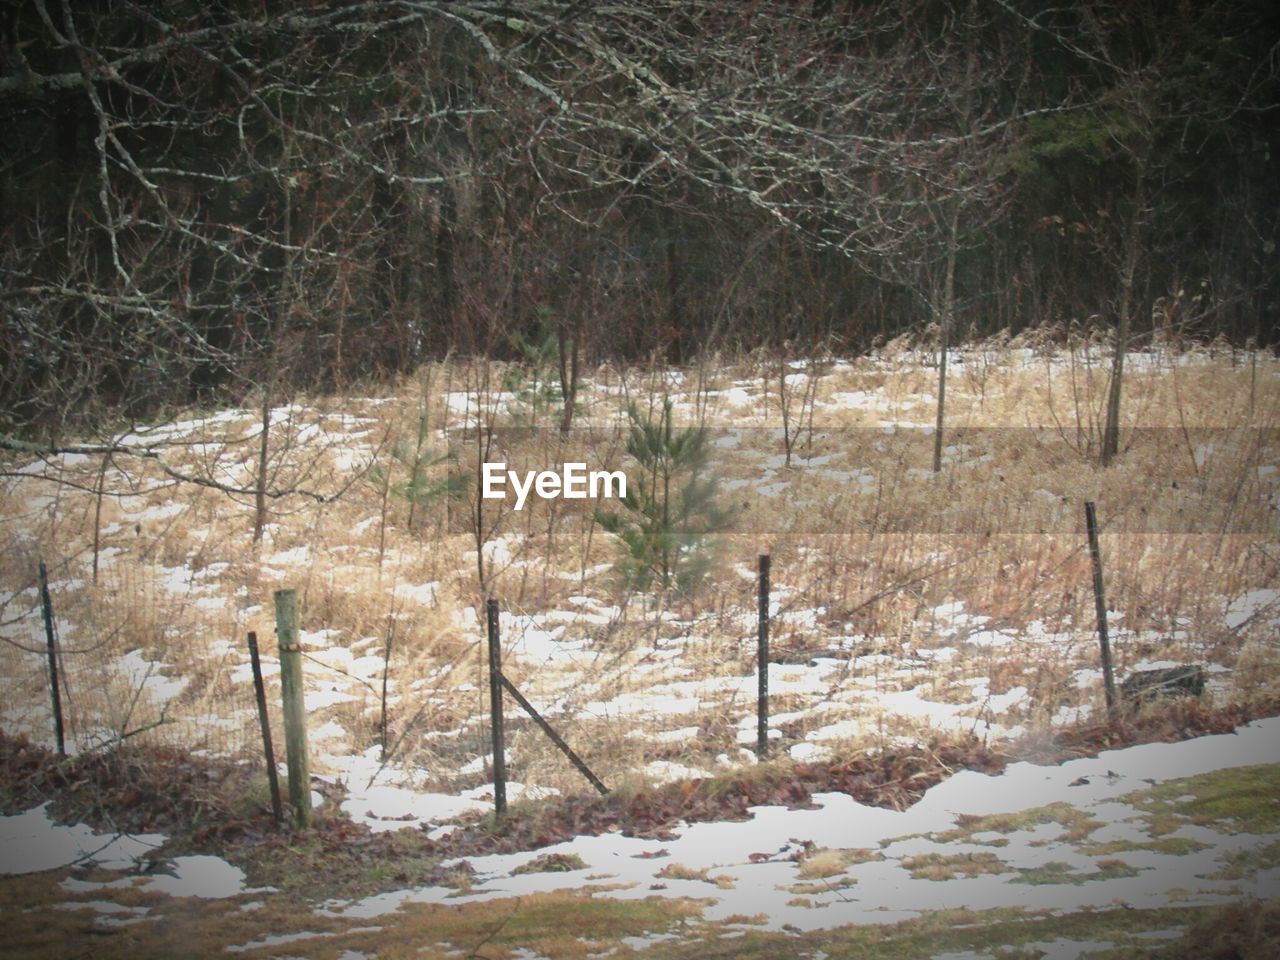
x=202 y=199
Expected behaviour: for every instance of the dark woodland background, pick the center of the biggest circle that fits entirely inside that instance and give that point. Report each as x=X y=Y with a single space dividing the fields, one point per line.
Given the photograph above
x=200 y=200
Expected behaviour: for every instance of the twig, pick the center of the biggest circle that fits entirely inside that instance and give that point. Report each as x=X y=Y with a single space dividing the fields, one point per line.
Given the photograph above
x=475 y=951
x=153 y=453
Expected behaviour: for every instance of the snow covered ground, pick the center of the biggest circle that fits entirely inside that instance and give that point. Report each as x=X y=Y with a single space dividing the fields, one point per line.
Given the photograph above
x=756 y=867
x=1089 y=841
x=905 y=605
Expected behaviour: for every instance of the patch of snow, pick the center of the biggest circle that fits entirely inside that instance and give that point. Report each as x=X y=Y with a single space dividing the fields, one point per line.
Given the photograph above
x=32 y=842
x=1244 y=608
x=162 y=511
x=206 y=877
x=383 y=807
x=665 y=771
x=143 y=675
x=287 y=558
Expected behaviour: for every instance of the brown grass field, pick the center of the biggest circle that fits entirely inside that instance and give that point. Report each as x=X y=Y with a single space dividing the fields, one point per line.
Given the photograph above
x=907 y=602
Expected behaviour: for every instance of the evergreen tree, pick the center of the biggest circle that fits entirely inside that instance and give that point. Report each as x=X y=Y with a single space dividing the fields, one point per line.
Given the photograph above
x=430 y=474
x=669 y=513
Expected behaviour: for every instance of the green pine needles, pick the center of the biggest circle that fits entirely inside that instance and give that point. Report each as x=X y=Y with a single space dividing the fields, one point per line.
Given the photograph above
x=533 y=382
x=669 y=513
x=430 y=474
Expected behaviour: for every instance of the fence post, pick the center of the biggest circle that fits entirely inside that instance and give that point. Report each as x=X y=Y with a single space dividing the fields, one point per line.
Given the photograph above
x=263 y=721
x=46 y=604
x=495 y=706
x=1100 y=604
x=762 y=660
x=295 y=711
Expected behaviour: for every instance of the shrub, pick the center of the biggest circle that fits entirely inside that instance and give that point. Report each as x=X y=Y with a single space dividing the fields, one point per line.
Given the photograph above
x=669 y=513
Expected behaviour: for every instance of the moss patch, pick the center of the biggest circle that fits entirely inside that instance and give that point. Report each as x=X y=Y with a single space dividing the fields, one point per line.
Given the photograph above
x=37 y=924
x=1058 y=872
x=573 y=925
x=1008 y=933
x=1077 y=826
x=1173 y=846
x=1244 y=864
x=563 y=924
x=1241 y=799
x=1245 y=931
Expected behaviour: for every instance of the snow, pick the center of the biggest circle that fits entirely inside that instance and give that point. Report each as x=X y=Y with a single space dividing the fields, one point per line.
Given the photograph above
x=738 y=396
x=883 y=891
x=144 y=675
x=666 y=771
x=466 y=403
x=1244 y=608
x=32 y=842
x=210 y=878
x=524 y=637
x=422 y=593
x=288 y=558
x=383 y=807
x=630 y=662
x=161 y=511
x=497 y=552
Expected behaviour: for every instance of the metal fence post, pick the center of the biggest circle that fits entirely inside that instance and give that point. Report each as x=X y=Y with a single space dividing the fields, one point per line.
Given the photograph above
x=495 y=707
x=1100 y=603
x=762 y=660
x=46 y=605
x=264 y=721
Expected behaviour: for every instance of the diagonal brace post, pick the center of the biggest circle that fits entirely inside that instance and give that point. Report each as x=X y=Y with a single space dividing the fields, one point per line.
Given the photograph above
x=555 y=737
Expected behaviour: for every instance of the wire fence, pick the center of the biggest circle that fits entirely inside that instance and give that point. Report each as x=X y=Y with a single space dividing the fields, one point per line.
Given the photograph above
x=133 y=663
x=137 y=662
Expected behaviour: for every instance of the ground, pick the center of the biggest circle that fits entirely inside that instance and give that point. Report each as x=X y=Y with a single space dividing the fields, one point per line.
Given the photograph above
x=922 y=624
x=1135 y=850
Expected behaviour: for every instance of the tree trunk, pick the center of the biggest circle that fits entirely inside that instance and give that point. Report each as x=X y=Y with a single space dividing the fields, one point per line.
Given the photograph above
x=944 y=338
x=567 y=347
x=1128 y=271
x=260 y=489
x=446 y=290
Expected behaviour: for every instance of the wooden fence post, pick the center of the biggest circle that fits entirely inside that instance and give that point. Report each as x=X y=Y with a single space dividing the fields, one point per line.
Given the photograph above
x=264 y=721
x=46 y=604
x=295 y=710
x=495 y=707
x=762 y=660
x=1100 y=604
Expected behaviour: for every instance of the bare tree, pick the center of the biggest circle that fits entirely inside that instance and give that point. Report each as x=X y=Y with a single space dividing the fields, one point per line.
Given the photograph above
x=1168 y=84
x=188 y=188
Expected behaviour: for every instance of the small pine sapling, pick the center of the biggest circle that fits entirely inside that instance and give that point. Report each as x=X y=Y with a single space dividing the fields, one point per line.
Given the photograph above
x=669 y=513
x=546 y=377
x=431 y=478
x=426 y=482
x=533 y=382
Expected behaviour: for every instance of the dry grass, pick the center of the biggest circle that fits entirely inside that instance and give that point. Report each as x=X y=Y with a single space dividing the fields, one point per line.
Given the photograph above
x=678 y=871
x=860 y=568
x=829 y=863
x=937 y=866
